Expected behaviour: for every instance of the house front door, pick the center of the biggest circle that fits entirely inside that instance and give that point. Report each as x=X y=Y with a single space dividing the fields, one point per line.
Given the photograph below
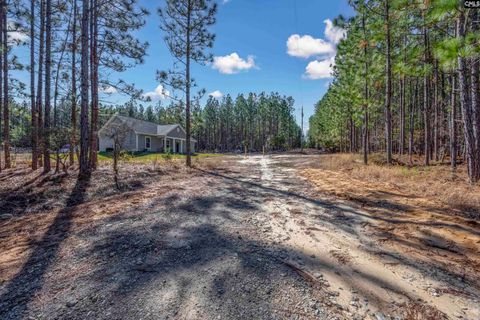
x=177 y=147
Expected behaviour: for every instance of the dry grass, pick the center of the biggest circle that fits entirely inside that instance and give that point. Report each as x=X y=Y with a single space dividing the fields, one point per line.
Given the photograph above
x=31 y=202
x=215 y=163
x=416 y=311
x=23 y=191
x=435 y=183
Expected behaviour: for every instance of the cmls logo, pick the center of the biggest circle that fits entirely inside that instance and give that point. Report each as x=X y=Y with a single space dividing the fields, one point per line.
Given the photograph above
x=471 y=4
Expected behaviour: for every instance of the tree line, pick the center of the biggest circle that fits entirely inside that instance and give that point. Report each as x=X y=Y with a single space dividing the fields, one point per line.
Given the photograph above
x=406 y=81
x=251 y=122
x=74 y=47
x=77 y=51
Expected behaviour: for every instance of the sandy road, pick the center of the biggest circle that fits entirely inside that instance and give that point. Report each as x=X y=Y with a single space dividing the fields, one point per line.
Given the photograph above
x=363 y=275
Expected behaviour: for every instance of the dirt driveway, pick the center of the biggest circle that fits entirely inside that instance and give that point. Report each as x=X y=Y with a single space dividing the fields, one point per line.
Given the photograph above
x=243 y=239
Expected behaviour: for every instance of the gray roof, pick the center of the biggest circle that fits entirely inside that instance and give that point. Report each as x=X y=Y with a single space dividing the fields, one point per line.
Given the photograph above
x=140 y=126
x=163 y=130
x=146 y=127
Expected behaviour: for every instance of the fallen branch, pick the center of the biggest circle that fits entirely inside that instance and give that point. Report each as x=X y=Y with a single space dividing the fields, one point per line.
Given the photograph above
x=304 y=274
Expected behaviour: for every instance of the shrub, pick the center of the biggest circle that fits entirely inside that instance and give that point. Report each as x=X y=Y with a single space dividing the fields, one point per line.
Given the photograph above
x=167 y=156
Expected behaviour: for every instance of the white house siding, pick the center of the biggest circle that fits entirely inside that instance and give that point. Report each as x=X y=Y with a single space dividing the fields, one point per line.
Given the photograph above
x=105 y=143
x=177 y=133
x=130 y=142
x=156 y=143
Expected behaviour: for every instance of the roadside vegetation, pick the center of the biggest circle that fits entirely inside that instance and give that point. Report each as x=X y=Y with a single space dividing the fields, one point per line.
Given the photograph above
x=406 y=82
x=345 y=176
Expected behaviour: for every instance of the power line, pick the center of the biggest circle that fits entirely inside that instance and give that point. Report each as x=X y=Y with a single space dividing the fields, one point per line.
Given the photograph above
x=300 y=87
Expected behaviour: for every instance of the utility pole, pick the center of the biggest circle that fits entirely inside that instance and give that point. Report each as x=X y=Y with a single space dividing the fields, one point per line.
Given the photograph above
x=301 y=134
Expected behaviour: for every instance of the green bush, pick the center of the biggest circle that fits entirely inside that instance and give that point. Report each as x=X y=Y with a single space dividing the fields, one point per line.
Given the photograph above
x=167 y=156
x=126 y=155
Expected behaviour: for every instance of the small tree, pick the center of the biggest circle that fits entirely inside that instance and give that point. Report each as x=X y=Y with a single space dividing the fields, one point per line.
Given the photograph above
x=117 y=132
x=58 y=142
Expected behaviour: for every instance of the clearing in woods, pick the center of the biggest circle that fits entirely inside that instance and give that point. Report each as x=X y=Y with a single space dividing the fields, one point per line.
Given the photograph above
x=274 y=237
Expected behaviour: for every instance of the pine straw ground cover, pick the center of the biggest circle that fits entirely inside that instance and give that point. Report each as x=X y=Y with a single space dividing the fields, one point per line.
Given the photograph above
x=30 y=201
x=344 y=175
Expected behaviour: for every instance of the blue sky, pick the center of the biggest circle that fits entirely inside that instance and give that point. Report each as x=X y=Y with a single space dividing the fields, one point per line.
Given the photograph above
x=256 y=28
x=251 y=50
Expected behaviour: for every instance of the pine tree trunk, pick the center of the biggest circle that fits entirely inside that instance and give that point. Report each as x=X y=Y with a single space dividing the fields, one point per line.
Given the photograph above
x=34 y=113
x=426 y=120
x=403 y=99
x=426 y=100
x=116 y=156
x=453 y=127
x=6 y=98
x=436 y=121
x=73 y=116
x=412 y=124
x=41 y=60
x=187 y=89
x=401 y=145
x=444 y=124
x=48 y=65
x=466 y=106
x=84 y=129
x=350 y=133
x=94 y=85
x=388 y=91
x=475 y=94
x=1 y=81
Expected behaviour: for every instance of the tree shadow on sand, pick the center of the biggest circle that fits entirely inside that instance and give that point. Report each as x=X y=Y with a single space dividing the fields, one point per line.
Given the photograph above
x=16 y=296
x=170 y=253
x=349 y=219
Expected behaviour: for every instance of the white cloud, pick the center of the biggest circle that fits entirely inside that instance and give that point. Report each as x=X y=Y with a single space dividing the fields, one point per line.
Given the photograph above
x=225 y=1
x=232 y=63
x=332 y=33
x=157 y=94
x=320 y=69
x=108 y=89
x=324 y=50
x=217 y=94
x=307 y=46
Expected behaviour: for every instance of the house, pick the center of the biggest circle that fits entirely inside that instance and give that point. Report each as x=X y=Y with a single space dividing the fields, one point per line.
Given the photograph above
x=145 y=136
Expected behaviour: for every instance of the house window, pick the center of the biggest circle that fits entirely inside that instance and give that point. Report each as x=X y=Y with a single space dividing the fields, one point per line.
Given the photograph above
x=147 y=143
x=168 y=144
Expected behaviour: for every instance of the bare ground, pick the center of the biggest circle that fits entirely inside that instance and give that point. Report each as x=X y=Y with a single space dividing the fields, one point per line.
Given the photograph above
x=233 y=239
